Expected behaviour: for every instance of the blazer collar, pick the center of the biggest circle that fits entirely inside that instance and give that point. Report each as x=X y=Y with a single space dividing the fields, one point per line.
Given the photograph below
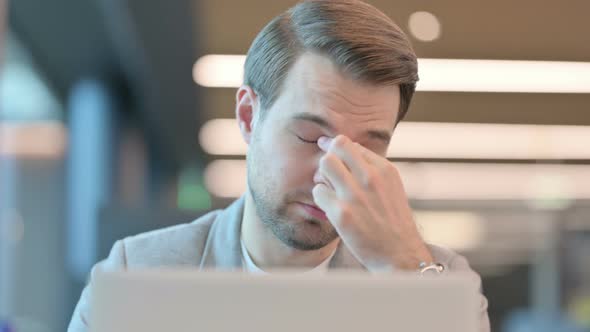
x=223 y=250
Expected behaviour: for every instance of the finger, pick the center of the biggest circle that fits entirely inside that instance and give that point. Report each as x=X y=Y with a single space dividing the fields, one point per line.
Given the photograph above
x=336 y=173
x=344 y=148
x=370 y=160
x=325 y=198
x=371 y=157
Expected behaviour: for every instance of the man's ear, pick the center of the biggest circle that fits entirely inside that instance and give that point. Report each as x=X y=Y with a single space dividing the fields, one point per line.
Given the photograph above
x=246 y=108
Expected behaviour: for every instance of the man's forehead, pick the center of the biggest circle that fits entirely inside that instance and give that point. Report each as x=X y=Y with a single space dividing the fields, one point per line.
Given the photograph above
x=319 y=73
x=331 y=107
x=315 y=85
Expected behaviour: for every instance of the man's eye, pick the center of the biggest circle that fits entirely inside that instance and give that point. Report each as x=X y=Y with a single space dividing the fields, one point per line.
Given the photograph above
x=306 y=141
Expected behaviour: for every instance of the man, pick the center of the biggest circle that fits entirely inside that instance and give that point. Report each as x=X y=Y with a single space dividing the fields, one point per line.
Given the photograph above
x=325 y=85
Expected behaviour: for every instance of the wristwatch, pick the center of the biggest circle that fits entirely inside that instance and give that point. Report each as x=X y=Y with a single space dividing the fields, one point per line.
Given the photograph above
x=430 y=268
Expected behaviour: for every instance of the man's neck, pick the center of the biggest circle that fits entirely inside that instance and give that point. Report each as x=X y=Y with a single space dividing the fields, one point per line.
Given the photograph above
x=268 y=252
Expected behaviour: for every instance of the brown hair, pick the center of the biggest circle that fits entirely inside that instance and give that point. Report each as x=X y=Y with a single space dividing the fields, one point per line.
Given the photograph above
x=363 y=42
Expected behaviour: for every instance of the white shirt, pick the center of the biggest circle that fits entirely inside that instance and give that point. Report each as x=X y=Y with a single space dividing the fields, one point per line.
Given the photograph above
x=251 y=267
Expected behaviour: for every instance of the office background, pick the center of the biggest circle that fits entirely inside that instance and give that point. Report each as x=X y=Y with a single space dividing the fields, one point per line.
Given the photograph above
x=116 y=118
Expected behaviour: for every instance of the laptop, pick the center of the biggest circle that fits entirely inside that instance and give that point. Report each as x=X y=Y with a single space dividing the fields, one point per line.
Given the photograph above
x=189 y=300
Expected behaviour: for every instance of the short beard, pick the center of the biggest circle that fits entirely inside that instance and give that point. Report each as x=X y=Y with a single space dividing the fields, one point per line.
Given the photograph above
x=276 y=220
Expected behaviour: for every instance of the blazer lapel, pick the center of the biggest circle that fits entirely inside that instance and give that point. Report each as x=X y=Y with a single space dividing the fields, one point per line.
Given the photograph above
x=223 y=250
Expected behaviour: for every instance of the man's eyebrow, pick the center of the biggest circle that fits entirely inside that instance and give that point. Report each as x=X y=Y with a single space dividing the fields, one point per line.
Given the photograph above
x=315 y=119
x=381 y=135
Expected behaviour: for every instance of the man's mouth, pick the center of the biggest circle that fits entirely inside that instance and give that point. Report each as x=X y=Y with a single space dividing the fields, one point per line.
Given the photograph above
x=314 y=211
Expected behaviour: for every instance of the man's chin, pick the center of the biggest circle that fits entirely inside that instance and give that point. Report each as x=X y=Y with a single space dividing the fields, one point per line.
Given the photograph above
x=297 y=230
x=305 y=245
x=310 y=236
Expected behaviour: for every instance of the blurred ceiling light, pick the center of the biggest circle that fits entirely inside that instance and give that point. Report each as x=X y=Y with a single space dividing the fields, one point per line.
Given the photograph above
x=503 y=76
x=459 y=75
x=222 y=137
x=448 y=181
x=33 y=139
x=424 y=26
x=489 y=181
x=226 y=178
x=489 y=141
x=219 y=70
x=457 y=230
x=443 y=140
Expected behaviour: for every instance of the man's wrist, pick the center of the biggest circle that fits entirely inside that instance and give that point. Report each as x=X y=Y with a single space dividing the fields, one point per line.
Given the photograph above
x=413 y=261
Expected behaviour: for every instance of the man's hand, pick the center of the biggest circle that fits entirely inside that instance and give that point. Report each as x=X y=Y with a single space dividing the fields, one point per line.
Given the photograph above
x=366 y=203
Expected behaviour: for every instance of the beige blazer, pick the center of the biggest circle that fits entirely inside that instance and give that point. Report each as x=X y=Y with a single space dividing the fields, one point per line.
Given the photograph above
x=213 y=241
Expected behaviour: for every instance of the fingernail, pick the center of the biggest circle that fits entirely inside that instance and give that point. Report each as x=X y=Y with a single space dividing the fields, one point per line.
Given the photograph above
x=324 y=142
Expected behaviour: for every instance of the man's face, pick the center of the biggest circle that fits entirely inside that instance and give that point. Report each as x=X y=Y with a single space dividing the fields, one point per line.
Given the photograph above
x=316 y=100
